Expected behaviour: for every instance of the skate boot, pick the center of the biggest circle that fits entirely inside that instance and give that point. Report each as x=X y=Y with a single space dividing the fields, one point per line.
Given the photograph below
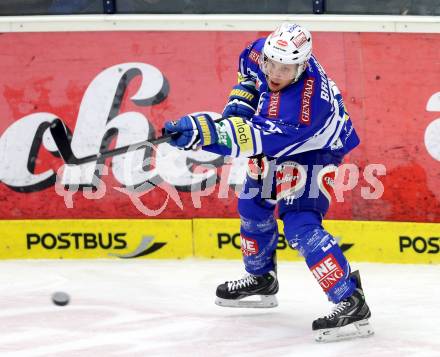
x=348 y=319
x=249 y=291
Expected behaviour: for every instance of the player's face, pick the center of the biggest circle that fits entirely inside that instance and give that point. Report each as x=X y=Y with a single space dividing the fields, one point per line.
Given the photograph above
x=279 y=75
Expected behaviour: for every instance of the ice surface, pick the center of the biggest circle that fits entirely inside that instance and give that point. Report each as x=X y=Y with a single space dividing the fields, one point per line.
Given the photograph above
x=166 y=308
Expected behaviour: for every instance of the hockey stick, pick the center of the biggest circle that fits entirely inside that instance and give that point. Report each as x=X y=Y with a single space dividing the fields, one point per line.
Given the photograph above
x=59 y=134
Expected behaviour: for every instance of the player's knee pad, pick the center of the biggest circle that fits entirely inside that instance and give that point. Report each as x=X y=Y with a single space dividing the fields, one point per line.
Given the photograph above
x=298 y=224
x=261 y=225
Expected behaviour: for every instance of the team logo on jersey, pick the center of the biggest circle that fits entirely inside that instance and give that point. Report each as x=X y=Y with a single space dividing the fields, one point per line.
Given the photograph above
x=327 y=272
x=249 y=246
x=306 y=98
x=257 y=168
x=291 y=178
x=300 y=40
x=254 y=56
x=326 y=181
x=274 y=105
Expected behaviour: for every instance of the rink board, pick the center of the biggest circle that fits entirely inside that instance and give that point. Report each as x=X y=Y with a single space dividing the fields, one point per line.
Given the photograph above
x=89 y=239
x=81 y=77
x=384 y=242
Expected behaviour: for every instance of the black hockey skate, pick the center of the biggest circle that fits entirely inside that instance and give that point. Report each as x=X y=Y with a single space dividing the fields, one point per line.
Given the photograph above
x=348 y=319
x=235 y=293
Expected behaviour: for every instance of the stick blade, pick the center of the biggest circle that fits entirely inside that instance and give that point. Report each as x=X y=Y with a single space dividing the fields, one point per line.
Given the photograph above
x=61 y=139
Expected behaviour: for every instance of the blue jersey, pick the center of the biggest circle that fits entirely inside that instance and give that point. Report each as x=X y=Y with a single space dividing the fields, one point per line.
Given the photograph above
x=304 y=116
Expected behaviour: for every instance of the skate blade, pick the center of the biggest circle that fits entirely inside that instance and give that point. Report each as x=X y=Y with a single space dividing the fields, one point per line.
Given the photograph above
x=266 y=301
x=360 y=328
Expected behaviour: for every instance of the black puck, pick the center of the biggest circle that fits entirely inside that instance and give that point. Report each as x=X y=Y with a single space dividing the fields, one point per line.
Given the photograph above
x=60 y=298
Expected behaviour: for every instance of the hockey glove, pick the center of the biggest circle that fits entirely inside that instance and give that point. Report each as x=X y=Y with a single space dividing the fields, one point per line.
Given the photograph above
x=243 y=102
x=192 y=131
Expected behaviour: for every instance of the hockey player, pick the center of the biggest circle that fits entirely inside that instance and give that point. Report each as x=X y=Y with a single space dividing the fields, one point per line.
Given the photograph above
x=289 y=118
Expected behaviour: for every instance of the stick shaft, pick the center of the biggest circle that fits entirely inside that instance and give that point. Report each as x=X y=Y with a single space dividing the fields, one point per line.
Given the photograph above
x=121 y=150
x=59 y=134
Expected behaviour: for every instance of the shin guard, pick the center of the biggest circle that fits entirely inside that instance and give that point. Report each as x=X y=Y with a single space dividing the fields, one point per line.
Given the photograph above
x=327 y=263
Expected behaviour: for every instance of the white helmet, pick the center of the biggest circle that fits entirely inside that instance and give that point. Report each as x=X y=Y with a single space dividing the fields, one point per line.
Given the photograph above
x=289 y=44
